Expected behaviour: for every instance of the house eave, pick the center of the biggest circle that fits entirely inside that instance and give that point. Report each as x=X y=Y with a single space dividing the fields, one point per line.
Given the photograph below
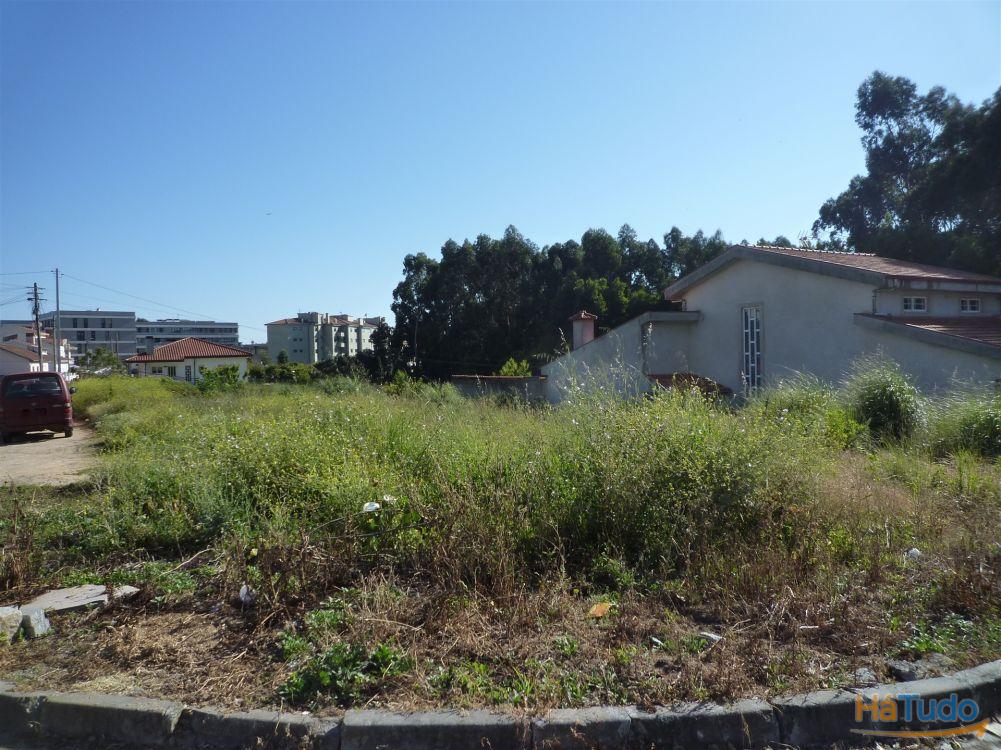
x=935 y=338
x=747 y=252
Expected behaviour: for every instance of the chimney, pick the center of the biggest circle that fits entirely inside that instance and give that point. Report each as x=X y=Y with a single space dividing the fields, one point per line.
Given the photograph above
x=583 y=328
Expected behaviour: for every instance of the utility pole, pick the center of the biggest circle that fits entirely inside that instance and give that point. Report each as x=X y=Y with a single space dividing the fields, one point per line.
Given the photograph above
x=57 y=330
x=36 y=309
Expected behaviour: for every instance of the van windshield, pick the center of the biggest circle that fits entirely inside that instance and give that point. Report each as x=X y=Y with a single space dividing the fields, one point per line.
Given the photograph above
x=27 y=387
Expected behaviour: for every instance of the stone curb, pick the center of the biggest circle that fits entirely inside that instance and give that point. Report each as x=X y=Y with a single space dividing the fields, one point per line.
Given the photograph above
x=817 y=719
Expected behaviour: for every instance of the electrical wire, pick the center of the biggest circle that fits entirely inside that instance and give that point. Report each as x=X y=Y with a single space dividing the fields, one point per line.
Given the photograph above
x=150 y=301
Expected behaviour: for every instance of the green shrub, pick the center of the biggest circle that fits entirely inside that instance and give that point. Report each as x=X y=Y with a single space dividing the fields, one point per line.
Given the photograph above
x=343 y=672
x=841 y=429
x=802 y=398
x=882 y=398
x=225 y=378
x=515 y=368
x=967 y=422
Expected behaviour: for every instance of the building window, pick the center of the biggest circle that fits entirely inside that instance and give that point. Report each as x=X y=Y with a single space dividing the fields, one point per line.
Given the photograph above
x=751 y=320
x=93 y=335
x=915 y=304
x=172 y=371
x=81 y=335
x=971 y=305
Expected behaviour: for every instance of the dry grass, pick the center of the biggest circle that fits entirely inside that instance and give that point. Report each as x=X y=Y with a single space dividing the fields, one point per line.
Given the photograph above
x=473 y=585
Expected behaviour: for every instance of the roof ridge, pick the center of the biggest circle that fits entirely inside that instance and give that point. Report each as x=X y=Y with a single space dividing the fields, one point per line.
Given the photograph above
x=818 y=251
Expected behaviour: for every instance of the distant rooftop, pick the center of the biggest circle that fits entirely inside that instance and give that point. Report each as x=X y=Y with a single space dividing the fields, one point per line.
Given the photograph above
x=187 y=348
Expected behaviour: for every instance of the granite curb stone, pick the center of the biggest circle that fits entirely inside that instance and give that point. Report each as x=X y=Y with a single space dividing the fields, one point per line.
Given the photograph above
x=985 y=682
x=821 y=718
x=142 y=721
x=202 y=727
x=747 y=723
x=19 y=712
x=605 y=727
x=432 y=730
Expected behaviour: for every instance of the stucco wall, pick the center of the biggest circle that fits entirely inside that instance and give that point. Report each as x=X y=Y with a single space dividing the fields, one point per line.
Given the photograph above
x=890 y=302
x=209 y=363
x=808 y=326
x=612 y=361
x=807 y=321
x=528 y=388
x=12 y=363
x=616 y=361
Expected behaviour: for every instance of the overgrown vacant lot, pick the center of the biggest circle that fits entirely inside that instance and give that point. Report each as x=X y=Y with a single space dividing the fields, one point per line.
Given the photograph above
x=415 y=549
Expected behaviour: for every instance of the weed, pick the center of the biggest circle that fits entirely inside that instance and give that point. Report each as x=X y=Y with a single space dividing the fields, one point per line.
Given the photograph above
x=343 y=672
x=883 y=399
x=566 y=646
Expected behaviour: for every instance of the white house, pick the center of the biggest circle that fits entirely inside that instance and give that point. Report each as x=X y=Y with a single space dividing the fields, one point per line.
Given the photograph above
x=184 y=359
x=755 y=315
x=22 y=336
x=15 y=358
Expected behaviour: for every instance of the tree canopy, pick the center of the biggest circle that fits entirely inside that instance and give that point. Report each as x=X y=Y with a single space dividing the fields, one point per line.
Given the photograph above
x=489 y=300
x=931 y=193
x=932 y=189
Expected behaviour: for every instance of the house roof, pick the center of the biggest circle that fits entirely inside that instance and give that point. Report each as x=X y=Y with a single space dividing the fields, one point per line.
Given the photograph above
x=852 y=266
x=903 y=269
x=583 y=315
x=188 y=348
x=979 y=334
x=21 y=352
x=283 y=322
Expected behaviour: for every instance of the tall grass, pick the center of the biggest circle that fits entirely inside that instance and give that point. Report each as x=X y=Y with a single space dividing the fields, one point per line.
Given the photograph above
x=282 y=481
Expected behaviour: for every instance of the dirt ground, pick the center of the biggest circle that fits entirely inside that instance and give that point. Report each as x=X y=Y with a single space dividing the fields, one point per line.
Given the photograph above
x=47 y=459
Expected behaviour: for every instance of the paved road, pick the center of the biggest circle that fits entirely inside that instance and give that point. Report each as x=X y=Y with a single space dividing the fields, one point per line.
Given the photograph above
x=44 y=458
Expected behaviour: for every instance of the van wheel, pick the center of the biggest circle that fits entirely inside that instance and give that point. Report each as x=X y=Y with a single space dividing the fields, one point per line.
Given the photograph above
x=4 y=437
x=69 y=432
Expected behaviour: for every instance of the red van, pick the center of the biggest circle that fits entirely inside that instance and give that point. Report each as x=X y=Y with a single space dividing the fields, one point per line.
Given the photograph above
x=31 y=401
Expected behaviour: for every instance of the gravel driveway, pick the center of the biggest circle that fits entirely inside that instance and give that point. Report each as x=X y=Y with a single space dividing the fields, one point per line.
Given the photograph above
x=44 y=458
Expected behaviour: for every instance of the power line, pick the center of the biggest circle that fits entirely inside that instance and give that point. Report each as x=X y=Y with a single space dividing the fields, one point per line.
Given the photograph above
x=151 y=301
x=22 y=273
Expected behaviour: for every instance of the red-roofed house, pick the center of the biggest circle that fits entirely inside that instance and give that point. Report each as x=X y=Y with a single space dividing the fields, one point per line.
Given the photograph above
x=15 y=358
x=759 y=314
x=185 y=359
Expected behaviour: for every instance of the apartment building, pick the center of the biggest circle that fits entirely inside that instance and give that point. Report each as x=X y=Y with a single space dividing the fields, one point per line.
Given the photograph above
x=88 y=330
x=152 y=333
x=313 y=337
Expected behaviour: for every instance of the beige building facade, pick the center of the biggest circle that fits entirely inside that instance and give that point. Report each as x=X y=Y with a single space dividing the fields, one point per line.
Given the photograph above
x=315 y=337
x=757 y=315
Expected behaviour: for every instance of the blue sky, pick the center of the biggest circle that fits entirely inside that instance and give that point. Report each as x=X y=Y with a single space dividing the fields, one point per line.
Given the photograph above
x=251 y=160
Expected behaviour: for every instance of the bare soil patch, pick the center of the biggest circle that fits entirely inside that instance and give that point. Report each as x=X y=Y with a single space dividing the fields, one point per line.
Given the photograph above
x=44 y=458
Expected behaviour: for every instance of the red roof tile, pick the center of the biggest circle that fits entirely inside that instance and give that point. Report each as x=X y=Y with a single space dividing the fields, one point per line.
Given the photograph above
x=19 y=351
x=897 y=268
x=188 y=348
x=984 y=329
